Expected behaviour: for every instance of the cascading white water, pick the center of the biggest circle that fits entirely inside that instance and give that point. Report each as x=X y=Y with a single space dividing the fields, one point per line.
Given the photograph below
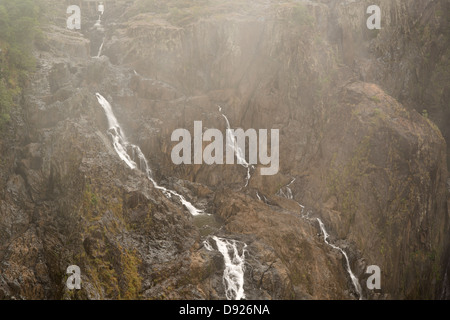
x=122 y=147
x=189 y=206
x=100 y=49
x=349 y=270
x=98 y=26
x=263 y=199
x=240 y=155
x=287 y=193
x=208 y=246
x=233 y=275
x=119 y=140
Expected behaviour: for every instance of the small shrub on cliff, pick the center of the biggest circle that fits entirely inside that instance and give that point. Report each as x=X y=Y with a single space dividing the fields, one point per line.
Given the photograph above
x=19 y=27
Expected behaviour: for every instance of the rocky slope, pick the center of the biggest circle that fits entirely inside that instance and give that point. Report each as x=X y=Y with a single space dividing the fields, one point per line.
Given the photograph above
x=364 y=161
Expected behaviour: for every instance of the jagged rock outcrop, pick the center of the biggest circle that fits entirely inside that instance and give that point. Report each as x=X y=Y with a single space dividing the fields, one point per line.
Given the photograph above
x=408 y=57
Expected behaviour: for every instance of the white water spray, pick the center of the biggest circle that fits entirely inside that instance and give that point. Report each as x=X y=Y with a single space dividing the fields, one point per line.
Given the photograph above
x=208 y=246
x=287 y=192
x=98 y=26
x=349 y=270
x=122 y=146
x=100 y=49
x=240 y=155
x=233 y=275
x=306 y=216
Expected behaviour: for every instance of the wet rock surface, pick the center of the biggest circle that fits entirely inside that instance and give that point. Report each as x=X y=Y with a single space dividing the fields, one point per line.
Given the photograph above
x=373 y=169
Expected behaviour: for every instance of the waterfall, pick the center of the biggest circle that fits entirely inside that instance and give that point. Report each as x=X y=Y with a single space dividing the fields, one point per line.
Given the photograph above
x=287 y=193
x=240 y=155
x=100 y=49
x=208 y=246
x=137 y=159
x=349 y=270
x=99 y=27
x=119 y=140
x=263 y=199
x=233 y=275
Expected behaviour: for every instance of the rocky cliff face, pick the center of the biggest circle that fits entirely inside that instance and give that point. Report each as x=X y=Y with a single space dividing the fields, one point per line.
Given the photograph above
x=344 y=99
x=408 y=57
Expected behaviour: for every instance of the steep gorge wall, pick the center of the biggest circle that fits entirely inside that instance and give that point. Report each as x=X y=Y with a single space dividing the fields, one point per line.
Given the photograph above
x=408 y=57
x=371 y=168
x=378 y=168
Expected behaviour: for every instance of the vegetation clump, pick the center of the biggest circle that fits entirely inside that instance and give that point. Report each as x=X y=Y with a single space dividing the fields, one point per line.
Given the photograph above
x=19 y=28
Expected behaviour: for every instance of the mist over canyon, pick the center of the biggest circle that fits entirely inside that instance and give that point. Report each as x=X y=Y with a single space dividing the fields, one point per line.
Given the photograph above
x=360 y=181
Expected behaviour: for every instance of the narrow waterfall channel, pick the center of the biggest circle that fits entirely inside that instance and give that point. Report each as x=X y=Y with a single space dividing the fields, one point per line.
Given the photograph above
x=122 y=147
x=287 y=193
x=240 y=155
x=233 y=275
